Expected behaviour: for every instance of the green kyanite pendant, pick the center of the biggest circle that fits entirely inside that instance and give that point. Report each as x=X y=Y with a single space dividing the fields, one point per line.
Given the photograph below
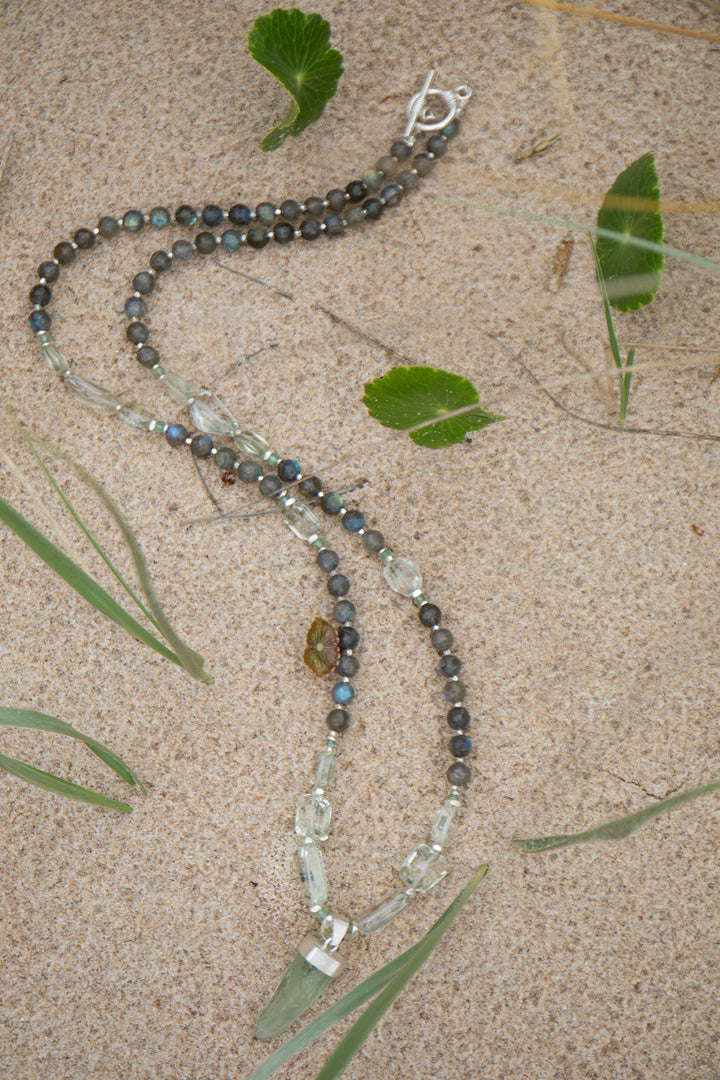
x=308 y=974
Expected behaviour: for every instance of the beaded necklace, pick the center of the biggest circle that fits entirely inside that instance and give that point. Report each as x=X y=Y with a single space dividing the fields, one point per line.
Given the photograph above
x=247 y=456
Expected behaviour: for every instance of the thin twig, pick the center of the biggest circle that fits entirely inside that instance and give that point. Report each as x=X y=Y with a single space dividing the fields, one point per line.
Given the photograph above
x=245 y=515
x=243 y=360
x=255 y=280
x=204 y=483
x=626 y=20
x=367 y=337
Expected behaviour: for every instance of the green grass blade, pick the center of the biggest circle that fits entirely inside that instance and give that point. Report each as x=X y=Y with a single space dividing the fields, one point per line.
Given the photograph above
x=78 y=580
x=619 y=828
x=360 y=994
x=612 y=337
x=29 y=718
x=50 y=782
x=625 y=386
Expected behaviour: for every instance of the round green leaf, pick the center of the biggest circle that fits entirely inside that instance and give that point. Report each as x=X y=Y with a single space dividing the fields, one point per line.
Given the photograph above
x=435 y=407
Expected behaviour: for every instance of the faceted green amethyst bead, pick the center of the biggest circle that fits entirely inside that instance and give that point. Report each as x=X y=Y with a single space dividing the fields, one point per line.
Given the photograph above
x=211 y=416
x=445 y=821
x=254 y=446
x=136 y=417
x=423 y=868
x=91 y=393
x=379 y=915
x=300 y=519
x=312 y=818
x=324 y=768
x=54 y=359
x=402 y=576
x=299 y=987
x=177 y=387
x=313 y=879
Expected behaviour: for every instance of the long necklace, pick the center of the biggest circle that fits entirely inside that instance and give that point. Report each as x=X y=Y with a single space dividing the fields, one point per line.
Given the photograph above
x=214 y=434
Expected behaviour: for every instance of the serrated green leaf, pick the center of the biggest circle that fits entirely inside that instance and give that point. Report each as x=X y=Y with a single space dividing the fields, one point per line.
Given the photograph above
x=295 y=48
x=632 y=209
x=437 y=408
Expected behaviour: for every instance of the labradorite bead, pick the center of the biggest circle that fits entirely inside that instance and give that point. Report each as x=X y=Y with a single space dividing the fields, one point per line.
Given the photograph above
x=336 y=199
x=137 y=332
x=284 y=232
x=108 y=227
x=257 y=236
x=212 y=214
x=135 y=307
x=40 y=295
x=310 y=229
x=401 y=149
x=450 y=665
x=441 y=639
x=49 y=270
x=334 y=225
x=451 y=129
x=430 y=615
x=459 y=774
x=458 y=718
x=314 y=206
x=354 y=216
x=392 y=195
x=344 y=611
x=454 y=692
x=423 y=164
x=348 y=666
x=206 y=242
x=338 y=585
x=356 y=191
x=64 y=252
x=348 y=637
x=309 y=486
x=437 y=145
x=186 y=215
x=342 y=693
x=408 y=180
x=332 y=502
x=183 y=250
x=231 y=240
x=288 y=469
x=387 y=166
x=201 y=445
x=85 y=239
x=270 y=485
x=144 y=282
x=353 y=521
x=372 y=179
x=176 y=434
x=248 y=471
x=338 y=720
x=373 y=541
x=460 y=745
x=225 y=458
x=290 y=209
x=239 y=214
x=133 y=221
x=148 y=356
x=40 y=320
x=265 y=213
x=328 y=560
x=159 y=217
x=373 y=209
x=161 y=262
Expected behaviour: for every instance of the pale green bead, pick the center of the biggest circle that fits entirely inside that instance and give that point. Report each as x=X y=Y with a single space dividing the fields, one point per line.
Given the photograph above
x=54 y=359
x=423 y=868
x=177 y=387
x=445 y=821
x=92 y=393
x=211 y=416
x=252 y=445
x=374 y=918
x=402 y=576
x=312 y=818
x=136 y=417
x=300 y=519
x=324 y=768
x=313 y=880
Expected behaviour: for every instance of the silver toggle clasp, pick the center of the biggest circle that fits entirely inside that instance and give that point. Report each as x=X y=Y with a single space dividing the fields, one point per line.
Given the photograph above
x=322 y=955
x=420 y=115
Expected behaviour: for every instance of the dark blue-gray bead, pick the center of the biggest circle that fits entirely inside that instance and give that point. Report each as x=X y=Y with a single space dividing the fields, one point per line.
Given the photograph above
x=423 y=165
x=248 y=471
x=205 y=243
x=212 y=214
x=133 y=221
x=348 y=666
x=401 y=149
x=459 y=774
x=310 y=229
x=183 y=250
x=430 y=615
x=40 y=295
x=135 y=307
x=49 y=270
x=271 y=485
x=64 y=252
x=459 y=718
x=137 y=332
x=408 y=180
x=454 y=692
x=108 y=227
x=356 y=191
x=338 y=585
x=342 y=693
x=373 y=209
x=441 y=639
x=460 y=745
x=240 y=214
x=288 y=469
x=310 y=486
x=451 y=129
x=161 y=262
x=40 y=320
x=290 y=209
x=338 y=720
x=354 y=216
x=176 y=434
x=328 y=560
x=159 y=217
x=437 y=145
x=284 y=232
x=225 y=458
x=144 y=282
x=373 y=541
x=449 y=666
x=334 y=225
x=201 y=445
x=344 y=611
x=84 y=239
x=348 y=637
x=257 y=236
x=392 y=195
x=353 y=521
x=336 y=199
x=265 y=213
x=315 y=206
x=231 y=240
x=332 y=502
x=148 y=356
x=186 y=215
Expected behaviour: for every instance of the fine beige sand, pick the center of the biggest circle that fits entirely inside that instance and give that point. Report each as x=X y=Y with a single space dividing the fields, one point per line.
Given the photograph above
x=576 y=565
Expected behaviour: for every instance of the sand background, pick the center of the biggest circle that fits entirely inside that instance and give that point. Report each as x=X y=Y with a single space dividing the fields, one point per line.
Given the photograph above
x=583 y=601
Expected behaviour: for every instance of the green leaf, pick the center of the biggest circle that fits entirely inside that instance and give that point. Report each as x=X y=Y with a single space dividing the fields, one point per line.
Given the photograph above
x=625 y=386
x=632 y=209
x=295 y=48
x=435 y=407
x=618 y=828
x=379 y=980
